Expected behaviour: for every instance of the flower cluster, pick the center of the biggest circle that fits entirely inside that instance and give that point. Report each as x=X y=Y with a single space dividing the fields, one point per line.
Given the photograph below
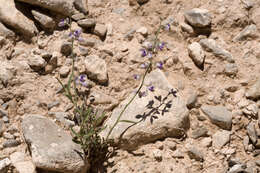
x=73 y=34
x=82 y=80
x=145 y=93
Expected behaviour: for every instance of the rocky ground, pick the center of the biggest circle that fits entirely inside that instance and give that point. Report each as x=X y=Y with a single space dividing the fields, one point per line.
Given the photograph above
x=211 y=58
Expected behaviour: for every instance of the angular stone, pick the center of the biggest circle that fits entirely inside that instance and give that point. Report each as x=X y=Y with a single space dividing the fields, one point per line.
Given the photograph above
x=10 y=16
x=254 y=91
x=231 y=69
x=66 y=48
x=57 y=152
x=37 y=62
x=64 y=71
x=81 y=5
x=78 y=16
x=191 y=101
x=96 y=69
x=6 y=72
x=100 y=30
x=11 y=143
x=199 y=132
x=4 y=164
x=88 y=42
x=196 y=154
x=187 y=28
x=197 y=54
x=5 y=32
x=251 y=110
x=87 y=23
x=46 y=21
x=171 y=124
x=220 y=139
x=2 y=127
x=198 y=17
x=211 y=46
x=249 y=31
x=218 y=115
x=22 y=163
x=64 y=7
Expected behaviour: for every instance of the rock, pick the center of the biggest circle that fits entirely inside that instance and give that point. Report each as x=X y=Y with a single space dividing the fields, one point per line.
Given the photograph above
x=157 y=154
x=197 y=54
x=220 y=139
x=210 y=45
x=100 y=30
x=37 y=62
x=7 y=135
x=171 y=124
x=177 y=154
x=187 y=28
x=11 y=143
x=53 y=104
x=88 y=42
x=199 y=132
x=206 y=142
x=81 y=5
x=64 y=71
x=254 y=91
x=66 y=48
x=87 y=23
x=57 y=152
x=10 y=16
x=7 y=72
x=249 y=31
x=237 y=168
x=196 y=154
x=191 y=101
x=251 y=110
x=246 y=143
x=64 y=7
x=231 y=69
x=198 y=17
x=2 y=127
x=46 y=21
x=63 y=118
x=219 y=116
x=96 y=69
x=143 y=31
x=78 y=16
x=5 y=119
x=22 y=163
x=4 y=164
x=5 y=32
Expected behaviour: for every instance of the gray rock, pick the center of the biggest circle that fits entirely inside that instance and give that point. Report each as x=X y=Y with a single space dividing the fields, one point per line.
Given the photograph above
x=57 y=152
x=78 y=16
x=206 y=142
x=84 y=51
x=22 y=163
x=157 y=154
x=196 y=53
x=100 y=30
x=251 y=132
x=218 y=115
x=199 y=132
x=11 y=143
x=66 y=48
x=187 y=28
x=210 y=45
x=81 y=5
x=53 y=104
x=237 y=168
x=246 y=143
x=96 y=69
x=88 y=42
x=37 y=62
x=10 y=16
x=5 y=119
x=7 y=72
x=45 y=20
x=64 y=7
x=231 y=69
x=64 y=71
x=2 y=127
x=87 y=23
x=191 y=101
x=249 y=31
x=254 y=91
x=4 y=164
x=220 y=139
x=196 y=154
x=198 y=17
x=5 y=32
x=171 y=124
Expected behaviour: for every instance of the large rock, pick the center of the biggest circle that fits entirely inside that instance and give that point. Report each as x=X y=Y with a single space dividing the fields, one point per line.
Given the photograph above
x=198 y=17
x=64 y=7
x=96 y=69
x=218 y=115
x=9 y=15
x=210 y=45
x=254 y=91
x=51 y=147
x=46 y=21
x=171 y=123
x=197 y=54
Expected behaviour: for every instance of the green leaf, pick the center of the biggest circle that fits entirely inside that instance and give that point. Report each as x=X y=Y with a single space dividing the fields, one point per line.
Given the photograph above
x=129 y=121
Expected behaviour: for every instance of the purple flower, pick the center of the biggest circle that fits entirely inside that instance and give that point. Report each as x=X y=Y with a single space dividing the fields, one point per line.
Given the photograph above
x=136 y=76
x=143 y=52
x=159 y=65
x=77 y=33
x=167 y=27
x=161 y=45
x=142 y=94
x=82 y=80
x=62 y=23
x=151 y=88
x=149 y=55
x=144 y=65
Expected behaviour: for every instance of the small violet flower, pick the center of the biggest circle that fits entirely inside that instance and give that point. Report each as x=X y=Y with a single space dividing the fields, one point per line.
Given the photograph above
x=149 y=55
x=136 y=76
x=161 y=45
x=143 y=52
x=62 y=23
x=151 y=88
x=142 y=94
x=167 y=27
x=144 y=65
x=81 y=79
x=159 y=65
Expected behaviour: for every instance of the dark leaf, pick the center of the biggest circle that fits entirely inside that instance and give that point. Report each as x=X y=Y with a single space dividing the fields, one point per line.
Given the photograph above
x=159 y=98
x=151 y=120
x=155 y=117
x=150 y=104
x=139 y=116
